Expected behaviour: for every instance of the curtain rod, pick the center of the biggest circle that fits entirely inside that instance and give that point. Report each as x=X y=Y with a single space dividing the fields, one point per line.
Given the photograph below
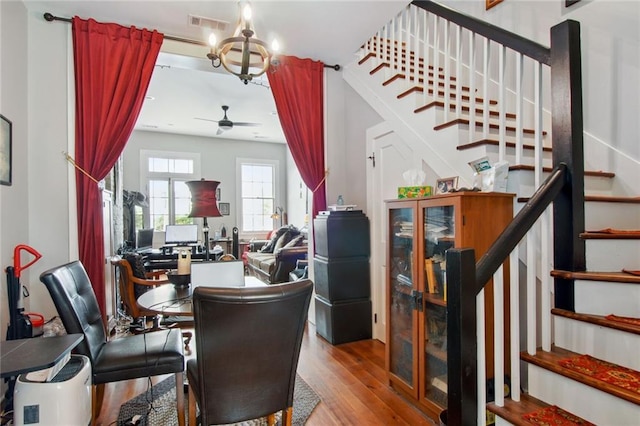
x=50 y=18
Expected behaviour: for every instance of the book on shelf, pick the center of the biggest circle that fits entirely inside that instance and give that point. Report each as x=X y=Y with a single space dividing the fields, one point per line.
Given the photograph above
x=404 y=280
x=431 y=276
x=440 y=383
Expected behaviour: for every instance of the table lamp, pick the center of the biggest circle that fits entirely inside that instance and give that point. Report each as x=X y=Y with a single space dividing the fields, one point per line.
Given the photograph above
x=204 y=204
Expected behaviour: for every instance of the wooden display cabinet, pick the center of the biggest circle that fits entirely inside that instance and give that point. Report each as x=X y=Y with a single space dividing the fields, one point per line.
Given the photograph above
x=419 y=233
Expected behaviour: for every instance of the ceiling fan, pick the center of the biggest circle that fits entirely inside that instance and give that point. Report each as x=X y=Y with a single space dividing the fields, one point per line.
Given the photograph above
x=226 y=124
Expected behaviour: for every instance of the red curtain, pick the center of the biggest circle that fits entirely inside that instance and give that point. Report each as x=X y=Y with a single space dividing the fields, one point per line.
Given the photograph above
x=113 y=67
x=297 y=86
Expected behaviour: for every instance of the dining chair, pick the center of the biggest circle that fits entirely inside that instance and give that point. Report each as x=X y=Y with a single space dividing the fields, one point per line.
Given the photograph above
x=127 y=285
x=247 y=353
x=124 y=358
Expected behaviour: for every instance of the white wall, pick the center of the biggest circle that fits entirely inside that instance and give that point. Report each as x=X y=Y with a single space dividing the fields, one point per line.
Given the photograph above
x=50 y=97
x=218 y=162
x=348 y=117
x=14 y=204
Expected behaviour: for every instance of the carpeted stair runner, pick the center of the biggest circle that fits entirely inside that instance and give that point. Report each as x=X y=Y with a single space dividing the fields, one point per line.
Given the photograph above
x=604 y=371
x=554 y=416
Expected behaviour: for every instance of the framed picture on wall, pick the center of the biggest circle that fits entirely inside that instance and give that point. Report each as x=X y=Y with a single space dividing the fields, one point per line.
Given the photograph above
x=224 y=209
x=5 y=151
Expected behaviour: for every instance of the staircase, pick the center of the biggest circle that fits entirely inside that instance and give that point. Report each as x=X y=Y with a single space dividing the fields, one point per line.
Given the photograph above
x=412 y=72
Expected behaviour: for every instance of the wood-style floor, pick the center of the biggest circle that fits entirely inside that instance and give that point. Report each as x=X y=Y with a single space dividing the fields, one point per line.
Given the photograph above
x=349 y=378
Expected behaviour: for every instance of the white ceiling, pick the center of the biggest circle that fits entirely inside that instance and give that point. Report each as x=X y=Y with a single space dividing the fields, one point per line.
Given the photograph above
x=184 y=86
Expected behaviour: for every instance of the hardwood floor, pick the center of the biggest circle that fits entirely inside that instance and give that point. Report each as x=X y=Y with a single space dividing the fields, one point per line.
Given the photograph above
x=349 y=378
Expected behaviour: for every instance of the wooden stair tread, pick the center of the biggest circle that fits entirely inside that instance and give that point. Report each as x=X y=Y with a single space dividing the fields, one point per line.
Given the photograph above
x=617 y=277
x=597 y=198
x=597 y=320
x=480 y=124
x=514 y=410
x=613 y=199
x=595 y=235
x=594 y=173
x=549 y=361
x=494 y=142
x=452 y=107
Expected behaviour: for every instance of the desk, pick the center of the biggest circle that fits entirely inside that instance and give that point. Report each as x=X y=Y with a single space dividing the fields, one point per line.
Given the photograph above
x=37 y=353
x=158 y=260
x=168 y=299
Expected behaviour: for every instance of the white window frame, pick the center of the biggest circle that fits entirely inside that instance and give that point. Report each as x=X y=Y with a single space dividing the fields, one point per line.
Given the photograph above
x=146 y=175
x=276 y=191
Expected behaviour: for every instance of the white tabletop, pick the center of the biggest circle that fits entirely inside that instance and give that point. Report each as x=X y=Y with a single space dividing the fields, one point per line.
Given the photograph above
x=171 y=300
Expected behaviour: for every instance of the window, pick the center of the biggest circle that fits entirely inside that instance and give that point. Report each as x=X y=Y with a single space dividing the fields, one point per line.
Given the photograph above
x=257 y=195
x=169 y=198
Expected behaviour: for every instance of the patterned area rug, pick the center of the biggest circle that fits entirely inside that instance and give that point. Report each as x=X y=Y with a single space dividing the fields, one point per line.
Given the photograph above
x=626 y=320
x=602 y=370
x=554 y=416
x=157 y=406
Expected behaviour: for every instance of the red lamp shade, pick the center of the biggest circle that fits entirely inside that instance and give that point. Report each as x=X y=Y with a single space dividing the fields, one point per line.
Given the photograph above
x=203 y=198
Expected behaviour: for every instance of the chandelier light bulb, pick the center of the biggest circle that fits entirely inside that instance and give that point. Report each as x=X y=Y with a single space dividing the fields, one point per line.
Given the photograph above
x=212 y=40
x=275 y=46
x=246 y=13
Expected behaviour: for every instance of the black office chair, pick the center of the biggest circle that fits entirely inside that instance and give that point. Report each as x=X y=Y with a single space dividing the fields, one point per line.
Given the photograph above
x=247 y=353
x=129 y=357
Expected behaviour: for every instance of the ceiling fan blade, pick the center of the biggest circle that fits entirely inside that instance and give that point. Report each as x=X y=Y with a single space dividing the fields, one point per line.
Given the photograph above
x=219 y=132
x=241 y=123
x=205 y=119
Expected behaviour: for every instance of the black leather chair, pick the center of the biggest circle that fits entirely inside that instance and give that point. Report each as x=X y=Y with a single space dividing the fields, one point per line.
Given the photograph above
x=129 y=357
x=247 y=352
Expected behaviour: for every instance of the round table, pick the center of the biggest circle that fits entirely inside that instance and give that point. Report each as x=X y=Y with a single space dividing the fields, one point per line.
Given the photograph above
x=168 y=299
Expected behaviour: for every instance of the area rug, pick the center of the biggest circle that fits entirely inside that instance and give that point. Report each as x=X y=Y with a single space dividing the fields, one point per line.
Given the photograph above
x=157 y=406
x=626 y=320
x=554 y=416
x=602 y=370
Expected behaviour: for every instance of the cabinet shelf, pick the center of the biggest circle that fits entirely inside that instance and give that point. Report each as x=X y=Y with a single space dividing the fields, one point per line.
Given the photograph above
x=435 y=299
x=436 y=352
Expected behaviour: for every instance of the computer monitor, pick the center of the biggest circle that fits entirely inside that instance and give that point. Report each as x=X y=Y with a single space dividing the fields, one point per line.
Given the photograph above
x=145 y=239
x=179 y=235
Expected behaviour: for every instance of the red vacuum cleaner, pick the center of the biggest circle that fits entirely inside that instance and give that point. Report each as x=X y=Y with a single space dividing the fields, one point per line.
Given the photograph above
x=20 y=326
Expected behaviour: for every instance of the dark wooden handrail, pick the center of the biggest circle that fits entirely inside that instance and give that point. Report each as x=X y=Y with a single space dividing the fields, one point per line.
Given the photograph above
x=519 y=226
x=511 y=40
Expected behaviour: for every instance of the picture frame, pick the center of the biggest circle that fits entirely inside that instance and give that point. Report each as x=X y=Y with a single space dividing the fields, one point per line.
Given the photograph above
x=224 y=208
x=446 y=185
x=5 y=150
x=490 y=3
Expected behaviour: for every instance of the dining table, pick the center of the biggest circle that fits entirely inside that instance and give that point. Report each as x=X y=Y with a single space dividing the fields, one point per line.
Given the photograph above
x=172 y=300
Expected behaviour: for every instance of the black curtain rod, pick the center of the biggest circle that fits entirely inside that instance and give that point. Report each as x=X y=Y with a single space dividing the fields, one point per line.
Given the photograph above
x=49 y=17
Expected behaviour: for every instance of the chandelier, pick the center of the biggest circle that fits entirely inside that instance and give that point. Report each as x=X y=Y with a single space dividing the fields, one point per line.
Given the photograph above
x=242 y=54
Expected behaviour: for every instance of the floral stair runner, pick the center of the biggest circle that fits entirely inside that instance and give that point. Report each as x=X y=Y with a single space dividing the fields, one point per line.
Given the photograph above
x=554 y=416
x=605 y=371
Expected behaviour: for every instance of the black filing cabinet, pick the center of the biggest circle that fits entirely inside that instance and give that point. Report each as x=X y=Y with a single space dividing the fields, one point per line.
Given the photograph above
x=341 y=271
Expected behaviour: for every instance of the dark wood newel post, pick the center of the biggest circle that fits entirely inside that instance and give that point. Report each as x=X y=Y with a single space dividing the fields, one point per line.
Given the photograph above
x=462 y=401
x=567 y=130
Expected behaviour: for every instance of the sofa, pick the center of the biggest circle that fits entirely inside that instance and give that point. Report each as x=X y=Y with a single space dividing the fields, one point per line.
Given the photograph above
x=272 y=260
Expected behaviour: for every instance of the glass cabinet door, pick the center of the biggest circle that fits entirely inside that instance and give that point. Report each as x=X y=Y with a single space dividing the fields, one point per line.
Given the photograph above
x=401 y=294
x=439 y=236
